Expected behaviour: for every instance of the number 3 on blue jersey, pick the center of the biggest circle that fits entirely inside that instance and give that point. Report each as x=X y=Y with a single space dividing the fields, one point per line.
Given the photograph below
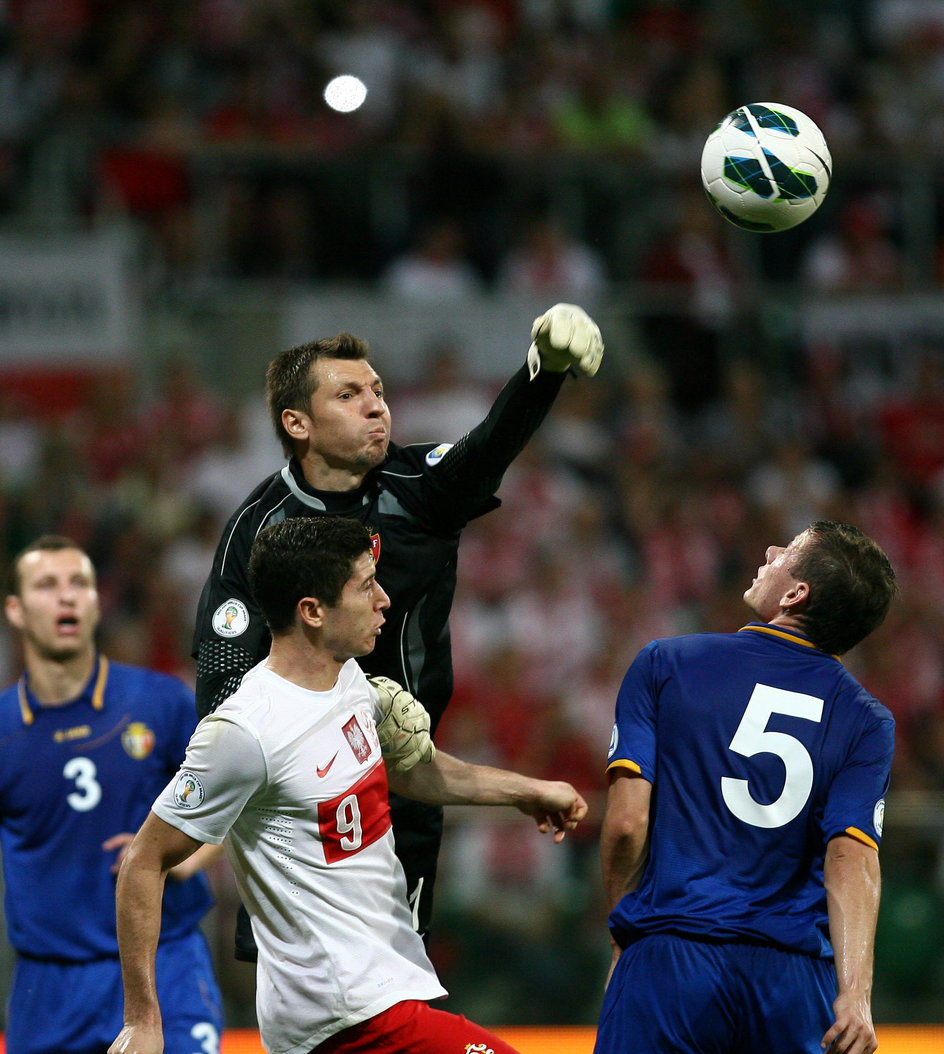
x=88 y=791
x=753 y=738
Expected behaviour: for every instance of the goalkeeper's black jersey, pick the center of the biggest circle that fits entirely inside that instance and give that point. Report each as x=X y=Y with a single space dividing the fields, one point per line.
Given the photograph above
x=415 y=505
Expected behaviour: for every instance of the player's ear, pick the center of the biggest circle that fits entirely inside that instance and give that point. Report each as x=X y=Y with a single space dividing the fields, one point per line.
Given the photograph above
x=311 y=612
x=796 y=597
x=14 y=611
x=296 y=424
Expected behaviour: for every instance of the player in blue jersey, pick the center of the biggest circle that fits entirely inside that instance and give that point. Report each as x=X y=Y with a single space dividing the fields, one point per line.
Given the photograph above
x=85 y=747
x=747 y=778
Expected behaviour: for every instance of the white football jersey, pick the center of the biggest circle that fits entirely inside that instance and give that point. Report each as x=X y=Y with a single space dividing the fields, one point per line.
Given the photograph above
x=294 y=781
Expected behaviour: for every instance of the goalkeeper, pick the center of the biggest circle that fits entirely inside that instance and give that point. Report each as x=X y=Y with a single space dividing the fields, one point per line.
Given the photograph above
x=327 y=406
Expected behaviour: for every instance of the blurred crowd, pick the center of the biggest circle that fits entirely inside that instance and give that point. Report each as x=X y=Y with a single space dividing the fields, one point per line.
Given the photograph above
x=508 y=146
x=501 y=141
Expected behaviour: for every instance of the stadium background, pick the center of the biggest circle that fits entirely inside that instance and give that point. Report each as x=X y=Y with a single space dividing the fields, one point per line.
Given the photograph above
x=177 y=204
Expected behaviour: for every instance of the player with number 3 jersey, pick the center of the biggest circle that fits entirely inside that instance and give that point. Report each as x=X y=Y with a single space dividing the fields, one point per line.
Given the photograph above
x=85 y=744
x=748 y=773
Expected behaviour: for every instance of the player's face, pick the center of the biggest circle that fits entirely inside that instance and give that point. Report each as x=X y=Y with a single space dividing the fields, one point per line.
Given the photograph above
x=774 y=579
x=352 y=626
x=57 y=607
x=349 y=423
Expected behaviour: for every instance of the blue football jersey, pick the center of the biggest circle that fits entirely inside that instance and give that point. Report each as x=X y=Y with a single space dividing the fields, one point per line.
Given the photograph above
x=760 y=749
x=71 y=777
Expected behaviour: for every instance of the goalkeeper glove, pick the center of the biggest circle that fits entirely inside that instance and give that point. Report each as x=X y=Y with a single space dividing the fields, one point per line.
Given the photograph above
x=404 y=728
x=565 y=336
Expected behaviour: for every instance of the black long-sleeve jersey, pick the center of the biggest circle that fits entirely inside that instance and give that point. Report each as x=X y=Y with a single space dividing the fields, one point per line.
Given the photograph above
x=415 y=505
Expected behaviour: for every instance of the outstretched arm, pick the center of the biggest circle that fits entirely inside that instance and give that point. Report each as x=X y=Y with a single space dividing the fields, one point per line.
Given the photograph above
x=564 y=338
x=157 y=847
x=448 y=781
x=624 y=838
x=853 y=887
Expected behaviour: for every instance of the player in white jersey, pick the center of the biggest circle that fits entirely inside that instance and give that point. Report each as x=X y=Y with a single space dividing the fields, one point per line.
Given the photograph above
x=291 y=774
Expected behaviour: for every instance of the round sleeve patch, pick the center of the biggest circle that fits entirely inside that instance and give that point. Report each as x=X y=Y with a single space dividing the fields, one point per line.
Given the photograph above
x=188 y=791
x=878 y=816
x=614 y=742
x=231 y=618
x=435 y=456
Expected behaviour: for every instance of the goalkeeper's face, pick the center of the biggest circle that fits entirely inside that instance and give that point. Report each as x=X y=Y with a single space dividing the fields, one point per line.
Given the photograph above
x=348 y=426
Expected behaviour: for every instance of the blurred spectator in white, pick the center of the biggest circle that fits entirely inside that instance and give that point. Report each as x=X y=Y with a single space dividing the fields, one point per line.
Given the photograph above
x=545 y=260
x=795 y=486
x=461 y=61
x=21 y=441
x=243 y=448
x=446 y=403
x=369 y=40
x=860 y=255
x=434 y=269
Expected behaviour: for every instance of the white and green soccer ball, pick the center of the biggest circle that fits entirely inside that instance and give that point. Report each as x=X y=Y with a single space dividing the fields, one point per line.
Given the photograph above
x=766 y=167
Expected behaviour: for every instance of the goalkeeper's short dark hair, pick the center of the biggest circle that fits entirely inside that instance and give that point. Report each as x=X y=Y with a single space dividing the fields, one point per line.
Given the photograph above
x=305 y=556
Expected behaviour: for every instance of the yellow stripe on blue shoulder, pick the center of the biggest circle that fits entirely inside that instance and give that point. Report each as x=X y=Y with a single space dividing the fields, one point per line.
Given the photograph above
x=622 y=763
x=861 y=836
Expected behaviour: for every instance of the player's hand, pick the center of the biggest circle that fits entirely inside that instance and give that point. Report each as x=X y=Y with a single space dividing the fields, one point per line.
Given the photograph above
x=138 y=1039
x=121 y=843
x=555 y=805
x=565 y=336
x=852 y=1031
x=404 y=729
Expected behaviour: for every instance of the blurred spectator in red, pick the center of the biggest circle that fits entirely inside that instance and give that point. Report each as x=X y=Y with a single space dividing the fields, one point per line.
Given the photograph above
x=912 y=420
x=860 y=256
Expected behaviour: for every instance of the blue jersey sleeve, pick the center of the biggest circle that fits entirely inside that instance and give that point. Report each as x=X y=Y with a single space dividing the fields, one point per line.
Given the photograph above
x=856 y=800
x=633 y=743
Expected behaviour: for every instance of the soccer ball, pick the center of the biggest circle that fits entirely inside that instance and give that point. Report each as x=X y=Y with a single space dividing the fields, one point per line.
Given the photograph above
x=766 y=167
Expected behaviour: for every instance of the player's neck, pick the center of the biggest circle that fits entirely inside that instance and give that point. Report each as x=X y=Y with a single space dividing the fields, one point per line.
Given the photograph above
x=298 y=662
x=55 y=682
x=321 y=475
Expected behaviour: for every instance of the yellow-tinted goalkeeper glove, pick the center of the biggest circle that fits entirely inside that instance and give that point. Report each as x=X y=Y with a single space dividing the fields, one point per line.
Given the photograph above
x=404 y=728
x=565 y=336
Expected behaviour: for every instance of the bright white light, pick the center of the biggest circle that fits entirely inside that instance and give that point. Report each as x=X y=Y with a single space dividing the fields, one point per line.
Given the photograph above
x=345 y=93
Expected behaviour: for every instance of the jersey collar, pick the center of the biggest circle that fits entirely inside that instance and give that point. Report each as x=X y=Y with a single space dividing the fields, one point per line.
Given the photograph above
x=790 y=635
x=324 y=500
x=94 y=691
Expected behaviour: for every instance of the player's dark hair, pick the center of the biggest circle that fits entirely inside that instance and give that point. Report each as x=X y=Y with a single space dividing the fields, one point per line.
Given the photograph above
x=852 y=584
x=306 y=556
x=45 y=543
x=289 y=382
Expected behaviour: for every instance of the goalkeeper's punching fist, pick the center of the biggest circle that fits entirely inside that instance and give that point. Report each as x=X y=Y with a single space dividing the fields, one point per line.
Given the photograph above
x=565 y=337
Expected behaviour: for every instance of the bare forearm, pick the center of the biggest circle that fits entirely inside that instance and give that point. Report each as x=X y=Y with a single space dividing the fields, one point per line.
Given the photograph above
x=853 y=889
x=853 y=885
x=138 y=906
x=623 y=859
x=448 y=781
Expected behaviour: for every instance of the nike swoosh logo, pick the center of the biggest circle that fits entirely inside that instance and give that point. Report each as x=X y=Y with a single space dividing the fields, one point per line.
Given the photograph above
x=322 y=772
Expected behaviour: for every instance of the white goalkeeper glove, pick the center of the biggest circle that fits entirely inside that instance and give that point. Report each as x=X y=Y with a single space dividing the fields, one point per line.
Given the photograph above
x=565 y=336
x=404 y=728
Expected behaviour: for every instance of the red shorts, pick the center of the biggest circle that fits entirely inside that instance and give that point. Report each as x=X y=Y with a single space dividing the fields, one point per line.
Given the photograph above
x=414 y=1027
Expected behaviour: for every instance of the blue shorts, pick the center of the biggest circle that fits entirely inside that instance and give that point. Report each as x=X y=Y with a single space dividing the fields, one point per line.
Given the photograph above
x=672 y=995
x=78 y=1008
